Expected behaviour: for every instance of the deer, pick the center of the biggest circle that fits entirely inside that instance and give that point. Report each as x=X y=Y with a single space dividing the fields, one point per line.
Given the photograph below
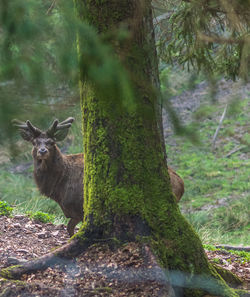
x=59 y=176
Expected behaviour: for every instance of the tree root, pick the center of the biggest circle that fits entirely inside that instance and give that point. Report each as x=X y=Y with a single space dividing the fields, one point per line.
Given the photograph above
x=243 y=293
x=229 y=277
x=59 y=256
x=181 y=281
x=234 y=248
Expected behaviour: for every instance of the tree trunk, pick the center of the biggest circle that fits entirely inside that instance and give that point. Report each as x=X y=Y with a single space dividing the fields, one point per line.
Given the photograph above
x=127 y=193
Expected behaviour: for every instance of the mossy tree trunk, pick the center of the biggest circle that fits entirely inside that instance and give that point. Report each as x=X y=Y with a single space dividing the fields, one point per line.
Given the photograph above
x=127 y=193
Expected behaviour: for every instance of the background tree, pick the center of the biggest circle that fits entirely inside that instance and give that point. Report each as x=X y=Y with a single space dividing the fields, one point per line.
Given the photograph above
x=209 y=36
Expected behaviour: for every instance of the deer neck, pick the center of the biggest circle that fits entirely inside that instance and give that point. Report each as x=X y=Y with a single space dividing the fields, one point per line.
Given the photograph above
x=49 y=173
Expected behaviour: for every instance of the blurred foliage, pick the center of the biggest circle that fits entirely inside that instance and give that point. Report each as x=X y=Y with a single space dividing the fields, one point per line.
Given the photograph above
x=39 y=44
x=209 y=36
x=39 y=63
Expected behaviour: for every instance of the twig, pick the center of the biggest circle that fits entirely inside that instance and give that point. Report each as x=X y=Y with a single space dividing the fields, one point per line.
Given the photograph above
x=234 y=151
x=219 y=126
x=51 y=7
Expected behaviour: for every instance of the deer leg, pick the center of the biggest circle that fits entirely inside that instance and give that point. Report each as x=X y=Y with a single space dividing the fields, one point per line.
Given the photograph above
x=71 y=225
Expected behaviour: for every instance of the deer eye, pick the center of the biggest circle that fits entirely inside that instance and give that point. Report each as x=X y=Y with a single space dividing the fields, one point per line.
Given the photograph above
x=49 y=142
x=36 y=142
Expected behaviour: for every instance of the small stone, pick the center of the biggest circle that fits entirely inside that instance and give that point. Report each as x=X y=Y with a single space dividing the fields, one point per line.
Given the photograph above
x=41 y=235
x=44 y=234
x=19 y=217
x=38 y=226
x=17 y=225
x=55 y=233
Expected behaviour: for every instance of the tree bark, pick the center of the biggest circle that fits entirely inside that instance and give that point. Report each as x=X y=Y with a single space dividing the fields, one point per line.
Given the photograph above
x=127 y=192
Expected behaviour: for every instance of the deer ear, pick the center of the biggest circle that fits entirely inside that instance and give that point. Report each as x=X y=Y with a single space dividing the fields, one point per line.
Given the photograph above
x=26 y=135
x=25 y=132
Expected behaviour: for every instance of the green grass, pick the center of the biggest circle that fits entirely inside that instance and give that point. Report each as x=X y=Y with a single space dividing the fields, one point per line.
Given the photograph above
x=217 y=197
x=22 y=194
x=245 y=256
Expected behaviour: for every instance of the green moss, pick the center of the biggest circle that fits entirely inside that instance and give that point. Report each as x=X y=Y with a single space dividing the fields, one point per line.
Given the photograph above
x=11 y=287
x=103 y=290
x=13 y=281
x=242 y=293
x=228 y=276
x=7 y=272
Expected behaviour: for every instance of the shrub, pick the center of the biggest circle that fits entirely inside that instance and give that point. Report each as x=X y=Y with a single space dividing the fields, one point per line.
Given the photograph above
x=5 y=209
x=42 y=217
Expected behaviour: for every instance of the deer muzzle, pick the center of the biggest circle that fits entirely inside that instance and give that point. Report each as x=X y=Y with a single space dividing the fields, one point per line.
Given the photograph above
x=42 y=152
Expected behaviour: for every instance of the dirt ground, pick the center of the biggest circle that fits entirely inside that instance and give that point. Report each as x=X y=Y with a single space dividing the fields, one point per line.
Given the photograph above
x=98 y=272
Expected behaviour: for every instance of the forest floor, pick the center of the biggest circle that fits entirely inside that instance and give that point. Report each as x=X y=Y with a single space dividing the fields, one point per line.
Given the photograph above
x=97 y=272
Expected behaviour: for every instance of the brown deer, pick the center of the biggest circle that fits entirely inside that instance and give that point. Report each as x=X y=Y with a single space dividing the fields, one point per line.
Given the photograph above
x=59 y=176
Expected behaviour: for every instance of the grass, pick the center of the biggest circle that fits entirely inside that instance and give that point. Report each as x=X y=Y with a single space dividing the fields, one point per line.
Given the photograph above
x=245 y=256
x=216 y=200
x=22 y=194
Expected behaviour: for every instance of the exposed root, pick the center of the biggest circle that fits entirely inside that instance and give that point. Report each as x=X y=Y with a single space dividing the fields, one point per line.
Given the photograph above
x=59 y=256
x=229 y=277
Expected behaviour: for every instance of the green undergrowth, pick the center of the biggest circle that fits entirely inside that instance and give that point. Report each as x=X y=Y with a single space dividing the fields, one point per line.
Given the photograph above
x=216 y=199
x=244 y=256
x=5 y=209
x=41 y=217
x=21 y=193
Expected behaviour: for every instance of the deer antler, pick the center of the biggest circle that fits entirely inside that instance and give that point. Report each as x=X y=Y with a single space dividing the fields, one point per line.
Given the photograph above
x=59 y=131
x=28 y=131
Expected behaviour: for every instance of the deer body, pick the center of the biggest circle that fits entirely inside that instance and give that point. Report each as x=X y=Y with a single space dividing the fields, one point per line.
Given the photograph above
x=59 y=176
x=176 y=183
x=61 y=179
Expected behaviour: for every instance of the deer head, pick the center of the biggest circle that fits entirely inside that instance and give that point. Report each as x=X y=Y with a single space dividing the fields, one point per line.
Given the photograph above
x=44 y=142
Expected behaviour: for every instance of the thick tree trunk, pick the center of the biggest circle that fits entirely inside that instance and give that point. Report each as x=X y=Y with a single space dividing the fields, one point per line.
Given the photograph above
x=127 y=193
x=126 y=177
